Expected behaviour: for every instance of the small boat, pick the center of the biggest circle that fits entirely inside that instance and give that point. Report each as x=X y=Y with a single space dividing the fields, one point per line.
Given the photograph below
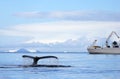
x=113 y=48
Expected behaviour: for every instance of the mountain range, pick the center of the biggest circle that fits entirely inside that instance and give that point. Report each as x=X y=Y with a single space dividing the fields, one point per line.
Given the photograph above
x=78 y=45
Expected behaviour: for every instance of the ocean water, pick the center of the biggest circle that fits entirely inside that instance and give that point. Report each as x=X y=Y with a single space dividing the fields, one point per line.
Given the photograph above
x=84 y=66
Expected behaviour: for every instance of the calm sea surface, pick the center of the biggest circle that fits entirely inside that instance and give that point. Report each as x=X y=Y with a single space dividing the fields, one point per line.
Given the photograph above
x=84 y=66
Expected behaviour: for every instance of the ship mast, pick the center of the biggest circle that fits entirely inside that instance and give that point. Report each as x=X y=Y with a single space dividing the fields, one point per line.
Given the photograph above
x=110 y=37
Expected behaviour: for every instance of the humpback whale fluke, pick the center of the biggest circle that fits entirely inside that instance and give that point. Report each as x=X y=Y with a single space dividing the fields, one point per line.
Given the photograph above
x=42 y=57
x=36 y=58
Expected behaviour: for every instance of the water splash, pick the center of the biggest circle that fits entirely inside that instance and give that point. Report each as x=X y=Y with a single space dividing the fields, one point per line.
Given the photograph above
x=27 y=61
x=49 y=61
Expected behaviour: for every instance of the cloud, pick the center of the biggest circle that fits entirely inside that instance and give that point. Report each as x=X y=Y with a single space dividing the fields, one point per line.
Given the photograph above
x=73 y=15
x=61 y=30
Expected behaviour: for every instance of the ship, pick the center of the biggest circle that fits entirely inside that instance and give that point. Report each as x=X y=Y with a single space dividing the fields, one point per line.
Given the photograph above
x=108 y=48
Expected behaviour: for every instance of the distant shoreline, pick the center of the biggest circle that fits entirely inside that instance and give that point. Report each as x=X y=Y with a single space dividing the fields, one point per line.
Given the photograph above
x=44 y=52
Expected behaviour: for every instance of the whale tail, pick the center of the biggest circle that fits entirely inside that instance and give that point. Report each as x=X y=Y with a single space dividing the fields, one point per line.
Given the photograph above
x=36 y=58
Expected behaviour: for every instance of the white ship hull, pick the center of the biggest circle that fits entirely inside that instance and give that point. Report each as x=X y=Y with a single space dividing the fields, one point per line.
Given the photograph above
x=109 y=48
x=104 y=50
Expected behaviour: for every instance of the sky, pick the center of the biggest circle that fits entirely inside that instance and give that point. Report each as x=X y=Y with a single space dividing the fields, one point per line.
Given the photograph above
x=49 y=21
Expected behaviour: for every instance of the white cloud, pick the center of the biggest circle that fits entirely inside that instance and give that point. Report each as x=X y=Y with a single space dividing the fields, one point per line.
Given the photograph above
x=62 y=30
x=73 y=15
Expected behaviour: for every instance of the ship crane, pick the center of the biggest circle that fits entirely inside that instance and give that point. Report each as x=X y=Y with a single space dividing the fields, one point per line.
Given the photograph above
x=110 y=37
x=94 y=43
